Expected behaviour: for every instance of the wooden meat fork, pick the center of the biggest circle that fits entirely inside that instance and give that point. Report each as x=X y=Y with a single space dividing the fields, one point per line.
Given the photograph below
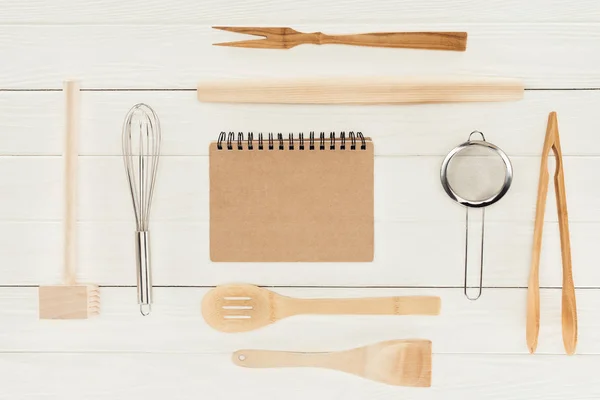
x=569 y=307
x=286 y=38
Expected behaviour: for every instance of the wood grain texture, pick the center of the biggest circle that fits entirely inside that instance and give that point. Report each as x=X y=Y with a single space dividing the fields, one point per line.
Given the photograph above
x=169 y=57
x=152 y=44
x=286 y=38
x=71 y=167
x=179 y=248
x=189 y=126
x=73 y=301
x=187 y=199
x=243 y=307
x=362 y=91
x=70 y=300
x=176 y=325
x=182 y=12
x=107 y=257
x=515 y=377
x=569 y=308
x=394 y=362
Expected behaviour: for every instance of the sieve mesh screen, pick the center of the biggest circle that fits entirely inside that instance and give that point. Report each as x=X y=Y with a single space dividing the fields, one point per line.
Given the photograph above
x=476 y=173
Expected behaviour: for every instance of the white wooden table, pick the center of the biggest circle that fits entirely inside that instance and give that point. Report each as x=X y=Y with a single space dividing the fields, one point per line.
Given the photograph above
x=155 y=51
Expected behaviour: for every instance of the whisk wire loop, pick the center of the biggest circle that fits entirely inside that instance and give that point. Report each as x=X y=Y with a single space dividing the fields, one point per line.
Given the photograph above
x=141 y=151
x=141 y=143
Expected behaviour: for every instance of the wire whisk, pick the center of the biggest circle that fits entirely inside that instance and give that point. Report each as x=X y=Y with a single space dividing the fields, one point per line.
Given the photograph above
x=141 y=151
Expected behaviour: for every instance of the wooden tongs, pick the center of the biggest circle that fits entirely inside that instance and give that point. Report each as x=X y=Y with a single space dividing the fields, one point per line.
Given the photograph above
x=569 y=308
x=286 y=38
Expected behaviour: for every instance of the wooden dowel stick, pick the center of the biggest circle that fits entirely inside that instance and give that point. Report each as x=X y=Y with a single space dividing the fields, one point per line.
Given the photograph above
x=71 y=89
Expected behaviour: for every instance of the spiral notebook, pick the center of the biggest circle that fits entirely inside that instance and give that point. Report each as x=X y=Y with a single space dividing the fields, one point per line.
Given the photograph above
x=294 y=198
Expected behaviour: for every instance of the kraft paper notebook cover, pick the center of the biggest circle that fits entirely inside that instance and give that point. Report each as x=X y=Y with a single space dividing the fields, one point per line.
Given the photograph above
x=303 y=198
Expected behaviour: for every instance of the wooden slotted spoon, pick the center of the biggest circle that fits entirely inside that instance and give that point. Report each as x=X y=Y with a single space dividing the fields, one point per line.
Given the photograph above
x=395 y=362
x=242 y=308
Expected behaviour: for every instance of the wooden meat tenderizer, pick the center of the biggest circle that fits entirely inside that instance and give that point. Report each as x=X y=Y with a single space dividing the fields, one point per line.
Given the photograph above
x=71 y=300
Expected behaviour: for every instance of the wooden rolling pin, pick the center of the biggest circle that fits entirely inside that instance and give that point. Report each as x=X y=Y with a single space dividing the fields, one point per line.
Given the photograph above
x=363 y=91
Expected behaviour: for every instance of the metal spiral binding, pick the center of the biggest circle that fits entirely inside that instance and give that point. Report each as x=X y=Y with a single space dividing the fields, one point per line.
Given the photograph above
x=228 y=140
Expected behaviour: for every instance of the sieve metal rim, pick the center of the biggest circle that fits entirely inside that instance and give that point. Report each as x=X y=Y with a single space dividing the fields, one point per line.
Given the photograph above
x=508 y=176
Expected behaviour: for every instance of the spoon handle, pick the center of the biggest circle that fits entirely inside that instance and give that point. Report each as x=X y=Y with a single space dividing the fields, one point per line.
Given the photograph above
x=399 y=305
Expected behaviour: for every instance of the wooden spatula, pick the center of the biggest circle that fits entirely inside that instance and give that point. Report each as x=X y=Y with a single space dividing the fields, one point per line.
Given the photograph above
x=242 y=308
x=395 y=362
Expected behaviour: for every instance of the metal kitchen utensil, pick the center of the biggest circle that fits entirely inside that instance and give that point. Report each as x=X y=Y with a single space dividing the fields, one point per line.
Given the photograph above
x=141 y=151
x=286 y=38
x=487 y=199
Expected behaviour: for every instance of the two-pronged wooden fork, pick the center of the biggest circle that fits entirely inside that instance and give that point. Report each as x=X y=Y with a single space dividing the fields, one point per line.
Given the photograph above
x=286 y=38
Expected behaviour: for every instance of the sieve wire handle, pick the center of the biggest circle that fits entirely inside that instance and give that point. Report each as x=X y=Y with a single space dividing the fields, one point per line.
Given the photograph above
x=466 y=287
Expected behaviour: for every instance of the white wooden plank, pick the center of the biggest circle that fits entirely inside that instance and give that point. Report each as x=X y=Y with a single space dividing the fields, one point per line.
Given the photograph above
x=163 y=56
x=180 y=227
x=31 y=188
x=31 y=255
x=31 y=123
x=419 y=232
x=188 y=376
x=494 y=324
x=406 y=189
x=289 y=12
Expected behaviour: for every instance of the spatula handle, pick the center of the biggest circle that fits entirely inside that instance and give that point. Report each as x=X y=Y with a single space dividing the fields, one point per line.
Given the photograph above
x=455 y=41
x=399 y=305
x=282 y=359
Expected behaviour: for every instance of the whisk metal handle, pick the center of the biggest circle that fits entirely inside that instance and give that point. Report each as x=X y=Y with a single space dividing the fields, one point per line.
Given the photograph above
x=144 y=283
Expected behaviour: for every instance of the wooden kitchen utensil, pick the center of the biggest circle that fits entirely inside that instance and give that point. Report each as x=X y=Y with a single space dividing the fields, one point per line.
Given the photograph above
x=362 y=91
x=569 y=307
x=286 y=38
x=71 y=300
x=395 y=362
x=242 y=308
